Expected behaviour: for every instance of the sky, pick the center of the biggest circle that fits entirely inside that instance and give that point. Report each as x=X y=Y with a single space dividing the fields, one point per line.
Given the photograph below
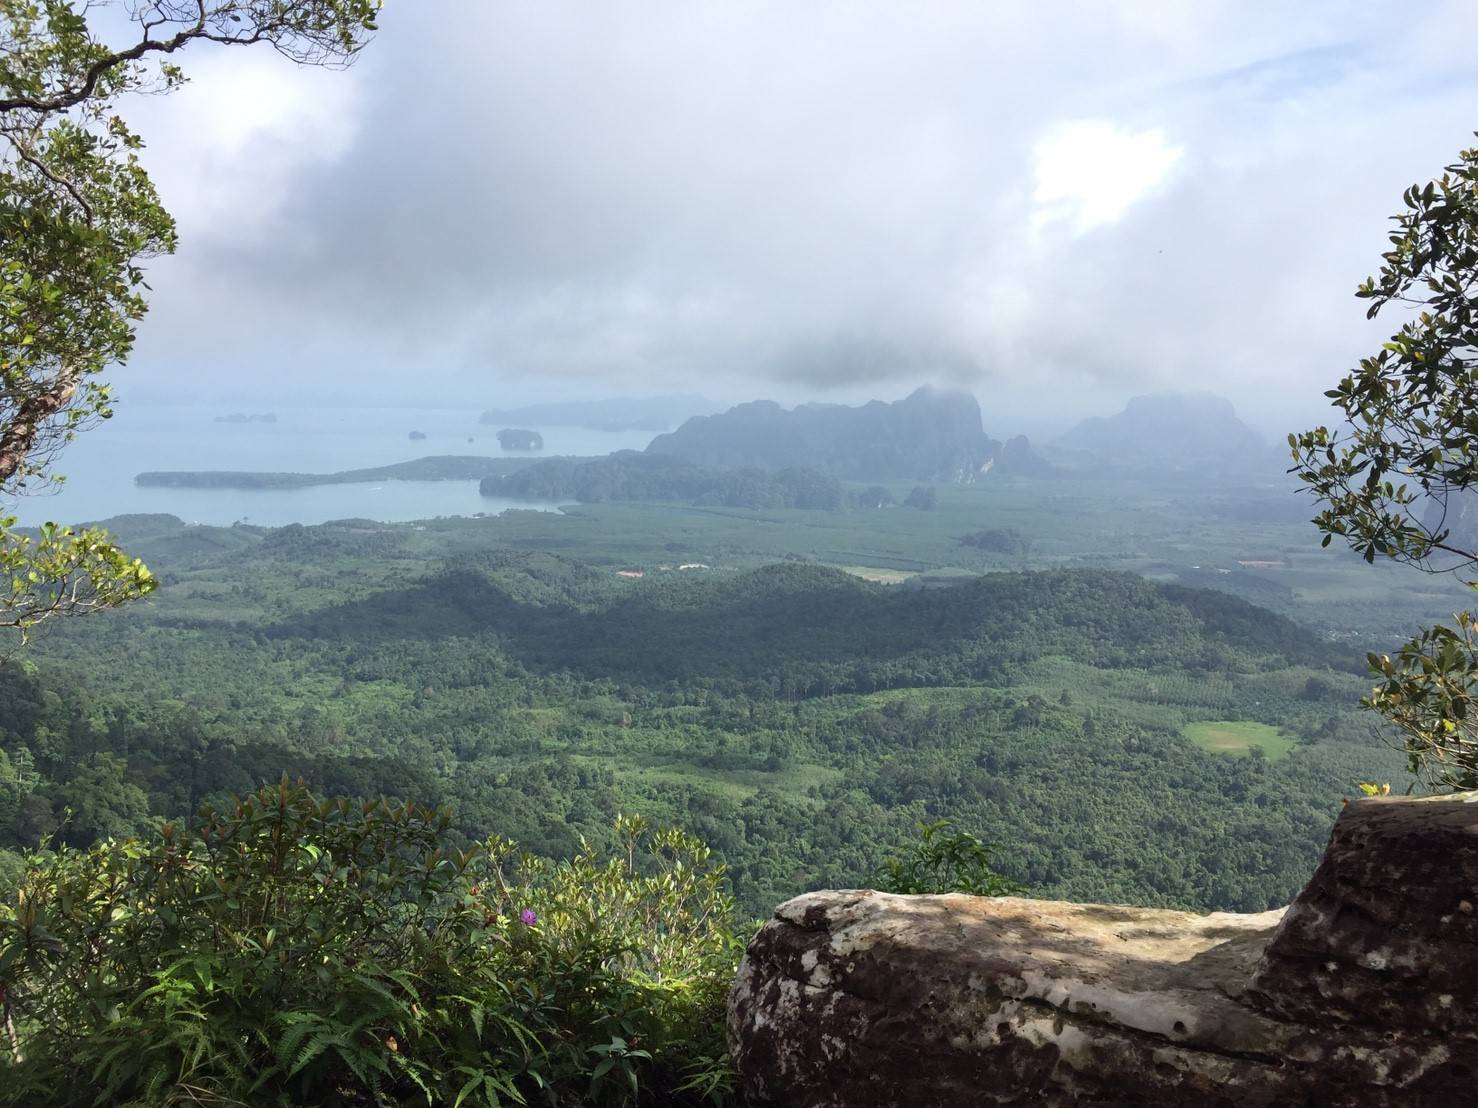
x=1052 y=205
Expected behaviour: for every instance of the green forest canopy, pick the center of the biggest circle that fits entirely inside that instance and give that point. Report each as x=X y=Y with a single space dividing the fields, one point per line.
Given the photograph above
x=800 y=720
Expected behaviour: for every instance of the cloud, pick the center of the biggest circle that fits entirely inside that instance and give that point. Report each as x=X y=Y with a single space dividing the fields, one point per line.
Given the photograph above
x=1089 y=172
x=241 y=132
x=1062 y=201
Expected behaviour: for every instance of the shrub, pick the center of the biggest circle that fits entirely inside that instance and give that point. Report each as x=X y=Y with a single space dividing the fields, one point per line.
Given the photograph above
x=299 y=951
x=945 y=861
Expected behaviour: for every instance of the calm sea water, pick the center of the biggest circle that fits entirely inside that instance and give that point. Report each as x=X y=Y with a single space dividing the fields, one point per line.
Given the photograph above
x=101 y=464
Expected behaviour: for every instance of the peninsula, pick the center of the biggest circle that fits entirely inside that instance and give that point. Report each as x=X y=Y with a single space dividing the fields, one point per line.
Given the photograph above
x=440 y=467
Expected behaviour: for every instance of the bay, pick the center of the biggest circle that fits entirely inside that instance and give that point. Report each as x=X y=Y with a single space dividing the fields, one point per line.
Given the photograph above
x=101 y=464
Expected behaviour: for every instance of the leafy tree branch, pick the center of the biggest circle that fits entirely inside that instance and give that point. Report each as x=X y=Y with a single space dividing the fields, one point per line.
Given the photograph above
x=79 y=221
x=1396 y=480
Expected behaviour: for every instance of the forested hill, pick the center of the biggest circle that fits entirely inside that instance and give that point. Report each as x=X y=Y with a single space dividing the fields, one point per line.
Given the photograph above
x=930 y=435
x=796 y=630
x=798 y=718
x=630 y=475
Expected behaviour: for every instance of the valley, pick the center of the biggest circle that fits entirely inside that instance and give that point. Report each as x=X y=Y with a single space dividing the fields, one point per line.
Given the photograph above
x=754 y=686
x=824 y=557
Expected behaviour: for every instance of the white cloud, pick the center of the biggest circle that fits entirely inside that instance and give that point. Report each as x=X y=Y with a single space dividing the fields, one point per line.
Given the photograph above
x=228 y=150
x=1090 y=172
x=770 y=198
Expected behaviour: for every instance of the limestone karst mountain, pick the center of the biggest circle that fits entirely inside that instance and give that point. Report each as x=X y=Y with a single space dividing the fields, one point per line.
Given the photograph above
x=929 y=435
x=1172 y=431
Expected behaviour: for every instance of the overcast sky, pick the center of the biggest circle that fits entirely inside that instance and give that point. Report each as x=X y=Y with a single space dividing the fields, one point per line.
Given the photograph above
x=1053 y=205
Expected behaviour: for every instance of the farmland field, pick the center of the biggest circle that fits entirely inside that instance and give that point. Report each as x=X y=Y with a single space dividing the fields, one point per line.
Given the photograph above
x=1239 y=737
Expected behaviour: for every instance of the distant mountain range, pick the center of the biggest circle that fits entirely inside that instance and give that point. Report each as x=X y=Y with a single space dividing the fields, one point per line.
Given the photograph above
x=930 y=435
x=1173 y=431
x=624 y=413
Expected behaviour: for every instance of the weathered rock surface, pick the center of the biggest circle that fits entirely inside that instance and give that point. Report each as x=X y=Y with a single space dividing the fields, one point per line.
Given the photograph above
x=1362 y=993
x=1385 y=934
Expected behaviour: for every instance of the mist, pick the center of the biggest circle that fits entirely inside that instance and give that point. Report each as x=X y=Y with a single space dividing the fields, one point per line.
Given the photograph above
x=499 y=205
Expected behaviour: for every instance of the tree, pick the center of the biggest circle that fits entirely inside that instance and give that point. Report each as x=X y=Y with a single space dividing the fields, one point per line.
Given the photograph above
x=945 y=861
x=874 y=496
x=79 y=219
x=922 y=497
x=1397 y=480
x=102 y=803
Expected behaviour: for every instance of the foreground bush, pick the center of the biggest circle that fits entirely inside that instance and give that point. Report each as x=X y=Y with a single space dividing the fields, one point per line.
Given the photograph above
x=298 y=951
x=945 y=861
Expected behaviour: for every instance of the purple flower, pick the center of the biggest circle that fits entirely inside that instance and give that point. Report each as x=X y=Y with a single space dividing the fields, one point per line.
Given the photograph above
x=529 y=917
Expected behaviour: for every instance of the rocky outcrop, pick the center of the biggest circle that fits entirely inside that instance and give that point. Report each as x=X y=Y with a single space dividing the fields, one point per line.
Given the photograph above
x=1385 y=934
x=1018 y=458
x=1361 y=993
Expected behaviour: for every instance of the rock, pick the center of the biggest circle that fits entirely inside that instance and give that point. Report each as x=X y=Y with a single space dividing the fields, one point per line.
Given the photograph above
x=1385 y=934
x=852 y=998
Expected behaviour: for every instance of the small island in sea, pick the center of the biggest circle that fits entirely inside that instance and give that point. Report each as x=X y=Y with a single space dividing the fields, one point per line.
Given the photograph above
x=617 y=413
x=245 y=417
x=417 y=436
x=514 y=438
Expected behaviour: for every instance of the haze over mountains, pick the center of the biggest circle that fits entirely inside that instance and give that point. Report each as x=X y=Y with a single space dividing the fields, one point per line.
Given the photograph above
x=930 y=435
x=1174 y=431
x=938 y=435
x=934 y=435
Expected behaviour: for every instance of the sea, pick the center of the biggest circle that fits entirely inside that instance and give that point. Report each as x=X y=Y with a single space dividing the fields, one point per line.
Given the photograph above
x=100 y=465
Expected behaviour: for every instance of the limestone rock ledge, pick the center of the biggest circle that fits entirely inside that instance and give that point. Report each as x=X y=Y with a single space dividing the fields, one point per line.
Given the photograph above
x=1361 y=994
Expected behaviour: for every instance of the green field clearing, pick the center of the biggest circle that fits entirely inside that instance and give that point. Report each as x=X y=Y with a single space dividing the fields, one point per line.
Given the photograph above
x=880 y=576
x=1239 y=737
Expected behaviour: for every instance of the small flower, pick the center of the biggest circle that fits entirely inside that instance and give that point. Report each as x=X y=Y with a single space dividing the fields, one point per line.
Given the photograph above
x=529 y=917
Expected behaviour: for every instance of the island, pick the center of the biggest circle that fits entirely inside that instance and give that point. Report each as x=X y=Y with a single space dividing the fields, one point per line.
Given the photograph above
x=417 y=436
x=244 y=417
x=514 y=438
x=616 y=413
x=443 y=467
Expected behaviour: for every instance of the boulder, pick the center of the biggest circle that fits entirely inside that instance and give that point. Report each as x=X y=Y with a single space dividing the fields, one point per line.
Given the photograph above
x=1385 y=934
x=1360 y=993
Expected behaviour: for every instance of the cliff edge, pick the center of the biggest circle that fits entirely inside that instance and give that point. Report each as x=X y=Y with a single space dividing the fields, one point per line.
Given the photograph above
x=1361 y=992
